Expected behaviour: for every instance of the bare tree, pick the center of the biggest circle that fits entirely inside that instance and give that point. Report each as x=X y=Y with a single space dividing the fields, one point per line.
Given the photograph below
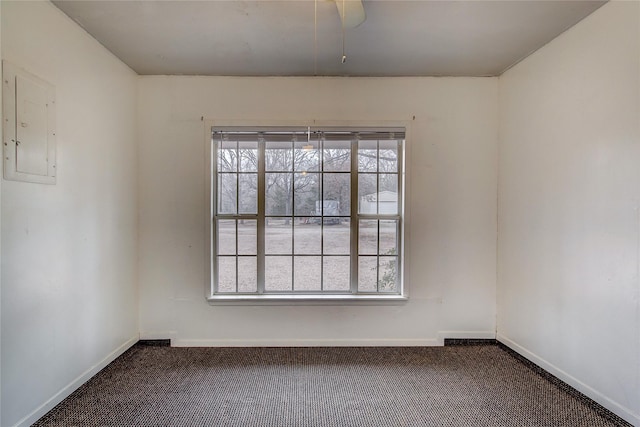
x=292 y=173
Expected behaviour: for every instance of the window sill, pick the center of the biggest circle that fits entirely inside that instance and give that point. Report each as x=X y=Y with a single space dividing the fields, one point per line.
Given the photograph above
x=307 y=299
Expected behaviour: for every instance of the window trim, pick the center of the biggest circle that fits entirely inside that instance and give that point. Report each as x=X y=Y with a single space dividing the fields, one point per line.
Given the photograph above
x=307 y=298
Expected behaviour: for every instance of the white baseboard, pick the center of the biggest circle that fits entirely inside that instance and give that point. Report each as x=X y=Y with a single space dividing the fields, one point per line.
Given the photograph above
x=484 y=335
x=600 y=398
x=420 y=342
x=73 y=385
x=383 y=342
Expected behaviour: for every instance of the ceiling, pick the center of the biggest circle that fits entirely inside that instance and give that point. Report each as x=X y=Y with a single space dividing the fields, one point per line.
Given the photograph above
x=279 y=38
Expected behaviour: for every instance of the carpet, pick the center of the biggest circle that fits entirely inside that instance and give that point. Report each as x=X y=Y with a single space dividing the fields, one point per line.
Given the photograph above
x=470 y=385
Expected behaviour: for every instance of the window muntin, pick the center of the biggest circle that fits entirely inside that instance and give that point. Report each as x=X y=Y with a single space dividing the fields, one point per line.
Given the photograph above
x=302 y=211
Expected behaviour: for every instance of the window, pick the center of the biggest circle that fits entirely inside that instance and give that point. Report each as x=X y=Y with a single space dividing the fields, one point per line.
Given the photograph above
x=306 y=213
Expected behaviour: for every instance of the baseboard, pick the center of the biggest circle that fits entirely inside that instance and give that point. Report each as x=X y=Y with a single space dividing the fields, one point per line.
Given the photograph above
x=384 y=342
x=466 y=335
x=421 y=342
x=73 y=385
x=616 y=408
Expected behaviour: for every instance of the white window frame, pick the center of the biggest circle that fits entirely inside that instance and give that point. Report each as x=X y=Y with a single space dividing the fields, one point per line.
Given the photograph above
x=306 y=298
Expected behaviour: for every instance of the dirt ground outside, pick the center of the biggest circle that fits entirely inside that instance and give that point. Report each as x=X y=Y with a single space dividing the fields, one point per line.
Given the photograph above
x=304 y=255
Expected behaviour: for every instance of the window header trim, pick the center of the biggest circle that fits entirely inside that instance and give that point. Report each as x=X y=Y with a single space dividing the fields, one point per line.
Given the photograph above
x=303 y=134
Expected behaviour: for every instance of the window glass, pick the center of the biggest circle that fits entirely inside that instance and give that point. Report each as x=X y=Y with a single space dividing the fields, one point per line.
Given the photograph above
x=307 y=195
x=283 y=214
x=278 y=273
x=277 y=236
x=337 y=156
x=306 y=156
x=307 y=273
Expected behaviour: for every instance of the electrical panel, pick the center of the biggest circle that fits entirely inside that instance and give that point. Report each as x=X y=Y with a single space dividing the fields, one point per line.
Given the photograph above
x=29 y=146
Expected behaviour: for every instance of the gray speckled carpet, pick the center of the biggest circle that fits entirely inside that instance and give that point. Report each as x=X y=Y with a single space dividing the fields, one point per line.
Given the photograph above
x=475 y=385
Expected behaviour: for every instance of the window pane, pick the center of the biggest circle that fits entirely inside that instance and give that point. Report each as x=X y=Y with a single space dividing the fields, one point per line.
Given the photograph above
x=227 y=186
x=278 y=193
x=328 y=208
x=227 y=237
x=248 y=152
x=306 y=156
x=227 y=157
x=367 y=194
x=368 y=237
x=307 y=193
x=367 y=273
x=248 y=193
x=247 y=237
x=277 y=273
x=337 y=156
x=336 y=273
x=306 y=273
x=368 y=156
x=388 y=156
x=278 y=156
x=307 y=237
x=337 y=187
x=337 y=236
x=388 y=196
x=388 y=274
x=388 y=182
x=226 y=274
x=247 y=274
x=388 y=237
x=277 y=238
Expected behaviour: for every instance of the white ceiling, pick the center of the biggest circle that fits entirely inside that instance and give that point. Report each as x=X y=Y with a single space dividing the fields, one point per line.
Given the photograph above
x=276 y=38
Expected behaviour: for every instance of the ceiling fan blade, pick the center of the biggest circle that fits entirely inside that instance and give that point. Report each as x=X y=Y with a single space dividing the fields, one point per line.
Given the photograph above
x=351 y=12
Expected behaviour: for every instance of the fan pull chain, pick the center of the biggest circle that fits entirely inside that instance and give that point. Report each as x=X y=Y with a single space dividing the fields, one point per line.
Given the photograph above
x=344 y=18
x=315 y=38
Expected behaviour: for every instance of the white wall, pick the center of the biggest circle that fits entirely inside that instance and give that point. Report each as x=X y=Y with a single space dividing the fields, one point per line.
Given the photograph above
x=1 y=173
x=69 y=264
x=569 y=191
x=451 y=237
